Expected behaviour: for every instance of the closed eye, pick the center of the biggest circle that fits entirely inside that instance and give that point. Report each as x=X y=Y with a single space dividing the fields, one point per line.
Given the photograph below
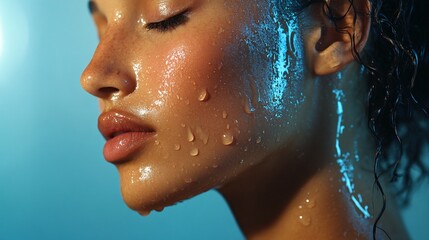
x=170 y=23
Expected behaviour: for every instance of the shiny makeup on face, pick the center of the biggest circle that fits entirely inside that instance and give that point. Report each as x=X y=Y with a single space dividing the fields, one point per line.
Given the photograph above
x=192 y=93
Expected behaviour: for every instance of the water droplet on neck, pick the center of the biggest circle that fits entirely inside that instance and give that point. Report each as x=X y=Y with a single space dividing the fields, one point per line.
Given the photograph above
x=227 y=138
x=204 y=96
x=188 y=180
x=183 y=125
x=224 y=114
x=310 y=203
x=259 y=140
x=227 y=126
x=177 y=147
x=304 y=220
x=191 y=136
x=194 y=152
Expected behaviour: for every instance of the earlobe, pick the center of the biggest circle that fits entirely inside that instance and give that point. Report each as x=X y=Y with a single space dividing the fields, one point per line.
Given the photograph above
x=338 y=42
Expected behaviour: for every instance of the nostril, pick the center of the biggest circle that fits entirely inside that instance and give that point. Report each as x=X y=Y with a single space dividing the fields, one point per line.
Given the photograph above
x=105 y=92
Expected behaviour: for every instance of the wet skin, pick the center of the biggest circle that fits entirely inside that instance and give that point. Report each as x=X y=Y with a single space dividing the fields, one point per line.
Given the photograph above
x=240 y=96
x=202 y=82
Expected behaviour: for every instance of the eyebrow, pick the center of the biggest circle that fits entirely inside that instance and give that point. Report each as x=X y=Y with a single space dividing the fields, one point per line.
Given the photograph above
x=92 y=6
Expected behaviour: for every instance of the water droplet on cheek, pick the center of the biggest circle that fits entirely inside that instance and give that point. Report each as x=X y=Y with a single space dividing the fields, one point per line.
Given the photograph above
x=188 y=180
x=177 y=147
x=224 y=114
x=204 y=96
x=190 y=134
x=157 y=142
x=227 y=139
x=194 y=152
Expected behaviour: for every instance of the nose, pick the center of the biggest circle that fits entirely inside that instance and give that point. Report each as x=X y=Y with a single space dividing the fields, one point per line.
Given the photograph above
x=109 y=75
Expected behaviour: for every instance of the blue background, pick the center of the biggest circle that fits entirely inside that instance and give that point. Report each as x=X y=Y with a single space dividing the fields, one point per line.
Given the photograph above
x=54 y=183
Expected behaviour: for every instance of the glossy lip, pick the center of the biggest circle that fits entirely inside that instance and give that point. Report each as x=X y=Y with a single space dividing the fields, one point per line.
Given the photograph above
x=124 y=133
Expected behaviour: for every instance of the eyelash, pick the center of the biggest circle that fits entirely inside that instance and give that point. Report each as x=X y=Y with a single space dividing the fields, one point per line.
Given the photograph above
x=169 y=24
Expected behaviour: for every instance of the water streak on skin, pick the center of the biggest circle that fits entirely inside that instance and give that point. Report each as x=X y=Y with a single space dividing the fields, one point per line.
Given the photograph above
x=344 y=161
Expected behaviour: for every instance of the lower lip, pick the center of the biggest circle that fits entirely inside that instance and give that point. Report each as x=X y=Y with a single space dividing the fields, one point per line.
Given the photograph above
x=122 y=146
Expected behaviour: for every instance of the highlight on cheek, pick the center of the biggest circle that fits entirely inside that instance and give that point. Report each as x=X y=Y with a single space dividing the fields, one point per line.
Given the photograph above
x=171 y=71
x=173 y=60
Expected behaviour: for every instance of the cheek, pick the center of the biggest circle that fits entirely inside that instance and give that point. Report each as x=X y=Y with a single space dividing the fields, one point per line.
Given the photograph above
x=206 y=130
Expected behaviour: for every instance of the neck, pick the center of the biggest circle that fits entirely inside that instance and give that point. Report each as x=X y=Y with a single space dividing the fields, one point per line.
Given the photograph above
x=320 y=188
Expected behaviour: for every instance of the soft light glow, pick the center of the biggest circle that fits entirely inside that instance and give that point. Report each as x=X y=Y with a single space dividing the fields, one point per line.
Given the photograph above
x=14 y=40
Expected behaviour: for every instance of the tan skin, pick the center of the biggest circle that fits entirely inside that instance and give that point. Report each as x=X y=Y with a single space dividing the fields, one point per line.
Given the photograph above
x=190 y=84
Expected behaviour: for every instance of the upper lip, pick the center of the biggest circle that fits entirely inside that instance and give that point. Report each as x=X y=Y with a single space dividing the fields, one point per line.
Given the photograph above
x=114 y=123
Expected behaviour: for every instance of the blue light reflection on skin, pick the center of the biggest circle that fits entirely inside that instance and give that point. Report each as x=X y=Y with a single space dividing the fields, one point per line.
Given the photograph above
x=343 y=159
x=277 y=33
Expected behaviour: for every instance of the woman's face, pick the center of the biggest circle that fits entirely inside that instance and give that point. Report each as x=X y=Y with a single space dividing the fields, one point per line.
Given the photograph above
x=193 y=92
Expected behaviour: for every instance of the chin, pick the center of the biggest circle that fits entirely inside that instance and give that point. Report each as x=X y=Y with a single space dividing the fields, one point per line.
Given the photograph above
x=144 y=197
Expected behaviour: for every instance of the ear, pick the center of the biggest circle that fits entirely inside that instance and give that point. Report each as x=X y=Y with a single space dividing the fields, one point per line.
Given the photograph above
x=343 y=31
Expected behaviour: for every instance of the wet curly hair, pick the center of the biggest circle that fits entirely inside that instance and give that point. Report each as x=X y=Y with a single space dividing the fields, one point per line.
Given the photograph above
x=396 y=62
